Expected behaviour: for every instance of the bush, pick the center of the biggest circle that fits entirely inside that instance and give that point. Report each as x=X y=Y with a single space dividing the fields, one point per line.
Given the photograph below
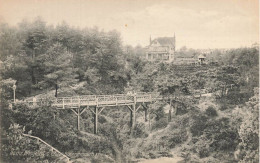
x=152 y=155
x=162 y=123
x=139 y=131
x=178 y=138
x=17 y=148
x=223 y=107
x=211 y=111
x=204 y=152
x=181 y=110
x=198 y=125
x=165 y=154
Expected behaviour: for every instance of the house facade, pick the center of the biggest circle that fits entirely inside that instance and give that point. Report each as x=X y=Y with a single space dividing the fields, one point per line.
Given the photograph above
x=161 y=49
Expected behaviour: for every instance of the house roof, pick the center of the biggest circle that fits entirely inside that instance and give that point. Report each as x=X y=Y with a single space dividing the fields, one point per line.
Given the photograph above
x=201 y=56
x=165 y=41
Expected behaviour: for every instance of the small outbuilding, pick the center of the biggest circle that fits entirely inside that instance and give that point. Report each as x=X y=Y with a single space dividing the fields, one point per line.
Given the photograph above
x=201 y=59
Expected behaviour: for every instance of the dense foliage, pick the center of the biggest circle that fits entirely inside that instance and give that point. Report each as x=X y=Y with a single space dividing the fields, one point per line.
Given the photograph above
x=40 y=57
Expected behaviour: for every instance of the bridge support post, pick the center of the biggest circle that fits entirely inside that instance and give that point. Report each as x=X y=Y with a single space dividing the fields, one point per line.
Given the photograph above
x=132 y=109
x=131 y=118
x=149 y=115
x=134 y=118
x=96 y=121
x=96 y=112
x=145 y=112
x=175 y=108
x=78 y=113
x=78 y=116
x=170 y=112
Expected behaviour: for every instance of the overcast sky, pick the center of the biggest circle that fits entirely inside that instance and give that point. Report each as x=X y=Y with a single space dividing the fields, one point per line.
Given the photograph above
x=196 y=23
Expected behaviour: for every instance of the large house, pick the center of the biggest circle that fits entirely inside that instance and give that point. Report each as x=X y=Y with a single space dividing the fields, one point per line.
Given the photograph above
x=161 y=49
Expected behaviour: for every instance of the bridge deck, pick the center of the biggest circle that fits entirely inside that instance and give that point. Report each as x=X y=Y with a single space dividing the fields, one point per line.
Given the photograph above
x=94 y=100
x=100 y=100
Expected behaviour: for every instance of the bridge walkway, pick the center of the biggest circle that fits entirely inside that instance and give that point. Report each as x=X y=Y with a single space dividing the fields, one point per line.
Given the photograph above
x=97 y=103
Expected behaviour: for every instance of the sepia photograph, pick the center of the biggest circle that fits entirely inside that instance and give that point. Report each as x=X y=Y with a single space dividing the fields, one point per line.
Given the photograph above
x=129 y=81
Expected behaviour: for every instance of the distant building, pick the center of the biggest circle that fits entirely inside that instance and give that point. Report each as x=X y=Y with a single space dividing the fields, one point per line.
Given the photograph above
x=202 y=59
x=161 y=49
x=255 y=45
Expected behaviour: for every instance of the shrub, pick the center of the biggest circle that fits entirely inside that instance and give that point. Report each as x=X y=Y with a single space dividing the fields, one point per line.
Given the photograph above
x=165 y=154
x=204 y=152
x=178 y=138
x=17 y=148
x=139 y=131
x=223 y=107
x=162 y=123
x=181 y=110
x=152 y=155
x=211 y=111
x=198 y=125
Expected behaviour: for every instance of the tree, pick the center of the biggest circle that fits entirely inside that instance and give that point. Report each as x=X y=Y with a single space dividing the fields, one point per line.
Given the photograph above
x=58 y=68
x=9 y=42
x=35 y=44
x=248 y=148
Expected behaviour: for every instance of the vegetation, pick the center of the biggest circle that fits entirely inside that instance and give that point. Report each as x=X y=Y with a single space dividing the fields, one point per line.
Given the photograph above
x=64 y=61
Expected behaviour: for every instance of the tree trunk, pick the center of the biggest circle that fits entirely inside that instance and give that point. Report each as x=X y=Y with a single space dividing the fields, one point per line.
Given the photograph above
x=56 y=90
x=170 y=116
x=32 y=71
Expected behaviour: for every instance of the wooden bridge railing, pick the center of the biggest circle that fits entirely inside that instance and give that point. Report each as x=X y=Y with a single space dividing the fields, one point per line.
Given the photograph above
x=100 y=100
x=93 y=100
x=48 y=145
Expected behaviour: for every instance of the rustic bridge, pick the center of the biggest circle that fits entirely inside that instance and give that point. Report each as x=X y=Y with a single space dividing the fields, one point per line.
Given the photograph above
x=97 y=103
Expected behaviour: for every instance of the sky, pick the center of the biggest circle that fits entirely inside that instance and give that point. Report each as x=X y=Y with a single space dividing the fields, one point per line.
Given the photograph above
x=199 y=24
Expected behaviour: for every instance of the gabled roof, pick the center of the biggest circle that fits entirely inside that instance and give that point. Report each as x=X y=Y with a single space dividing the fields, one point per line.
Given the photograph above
x=165 y=41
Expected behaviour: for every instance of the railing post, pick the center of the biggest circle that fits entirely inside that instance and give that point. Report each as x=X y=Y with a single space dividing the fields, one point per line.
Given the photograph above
x=34 y=101
x=78 y=101
x=96 y=99
x=63 y=103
